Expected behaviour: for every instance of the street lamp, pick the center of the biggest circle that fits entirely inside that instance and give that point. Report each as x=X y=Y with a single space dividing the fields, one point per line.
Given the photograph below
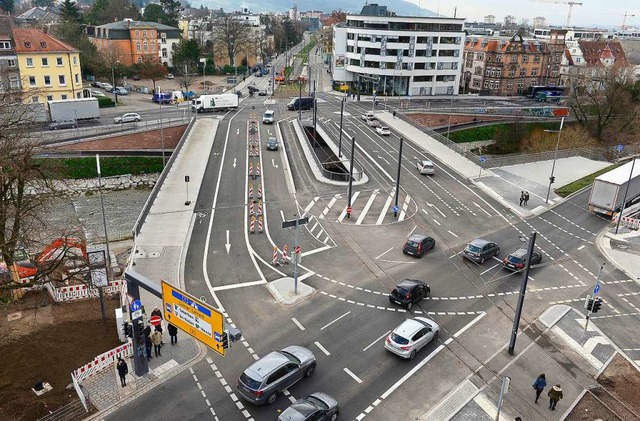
x=552 y=179
x=113 y=78
x=235 y=69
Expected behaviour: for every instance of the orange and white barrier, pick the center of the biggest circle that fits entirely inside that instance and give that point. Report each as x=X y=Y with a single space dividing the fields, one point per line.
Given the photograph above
x=251 y=190
x=260 y=224
x=274 y=262
x=250 y=169
x=259 y=191
x=103 y=361
x=257 y=169
x=259 y=207
x=252 y=225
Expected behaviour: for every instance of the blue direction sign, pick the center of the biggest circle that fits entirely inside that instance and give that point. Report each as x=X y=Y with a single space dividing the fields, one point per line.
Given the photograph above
x=620 y=148
x=483 y=159
x=136 y=305
x=596 y=289
x=395 y=209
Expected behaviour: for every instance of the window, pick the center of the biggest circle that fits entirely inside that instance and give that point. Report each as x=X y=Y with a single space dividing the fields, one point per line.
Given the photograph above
x=487 y=72
x=144 y=34
x=512 y=72
x=497 y=84
x=43 y=44
x=137 y=45
x=61 y=80
x=32 y=81
x=423 y=78
x=47 y=80
x=499 y=58
x=525 y=58
x=14 y=83
x=49 y=97
x=58 y=61
x=486 y=85
x=75 y=60
x=145 y=45
x=534 y=72
x=536 y=59
x=5 y=45
x=45 y=62
x=163 y=38
x=514 y=58
x=164 y=53
x=478 y=71
x=34 y=99
x=523 y=72
x=78 y=95
x=153 y=45
x=480 y=56
x=27 y=44
x=63 y=96
x=77 y=76
x=11 y=63
x=29 y=62
x=139 y=59
x=521 y=84
x=509 y=85
x=137 y=34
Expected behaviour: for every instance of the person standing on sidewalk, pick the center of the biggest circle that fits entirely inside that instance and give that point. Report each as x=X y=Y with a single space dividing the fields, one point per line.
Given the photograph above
x=555 y=394
x=539 y=385
x=148 y=345
x=526 y=198
x=521 y=197
x=173 y=333
x=123 y=370
x=156 y=340
x=156 y=312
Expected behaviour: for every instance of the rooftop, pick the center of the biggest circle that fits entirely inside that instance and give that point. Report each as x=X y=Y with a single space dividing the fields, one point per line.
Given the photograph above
x=29 y=40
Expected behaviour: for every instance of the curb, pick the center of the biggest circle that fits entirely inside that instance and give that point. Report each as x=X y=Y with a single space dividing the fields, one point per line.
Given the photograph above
x=603 y=250
x=202 y=352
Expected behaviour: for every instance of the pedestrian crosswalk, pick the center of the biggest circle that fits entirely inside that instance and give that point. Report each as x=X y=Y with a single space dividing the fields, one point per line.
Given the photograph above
x=369 y=207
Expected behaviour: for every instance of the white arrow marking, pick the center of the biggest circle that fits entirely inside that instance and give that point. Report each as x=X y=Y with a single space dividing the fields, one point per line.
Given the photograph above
x=379 y=157
x=237 y=131
x=234 y=162
x=273 y=162
x=227 y=245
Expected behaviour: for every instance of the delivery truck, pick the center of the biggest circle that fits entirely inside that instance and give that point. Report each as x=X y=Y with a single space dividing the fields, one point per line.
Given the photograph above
x=210 y=103
x=609 y=189
x=74 y=109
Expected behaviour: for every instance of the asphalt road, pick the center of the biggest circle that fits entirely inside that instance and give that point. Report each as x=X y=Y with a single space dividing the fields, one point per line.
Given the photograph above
x=354 y=263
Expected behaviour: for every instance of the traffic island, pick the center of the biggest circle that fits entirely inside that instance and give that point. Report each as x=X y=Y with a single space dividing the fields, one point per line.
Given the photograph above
x=283 y=291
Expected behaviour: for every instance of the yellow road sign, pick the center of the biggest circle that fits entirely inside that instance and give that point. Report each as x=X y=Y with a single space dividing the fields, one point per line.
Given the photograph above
x=193 y=316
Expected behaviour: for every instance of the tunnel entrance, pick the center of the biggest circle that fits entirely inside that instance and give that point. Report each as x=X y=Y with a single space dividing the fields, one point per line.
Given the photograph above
x=331 y=166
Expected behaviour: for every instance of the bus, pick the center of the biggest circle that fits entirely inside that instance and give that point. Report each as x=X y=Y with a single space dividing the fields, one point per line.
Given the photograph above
x=532 y=90
x=549 y=96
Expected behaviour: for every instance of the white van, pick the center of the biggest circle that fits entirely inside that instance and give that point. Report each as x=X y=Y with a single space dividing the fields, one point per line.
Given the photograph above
x=268 y=117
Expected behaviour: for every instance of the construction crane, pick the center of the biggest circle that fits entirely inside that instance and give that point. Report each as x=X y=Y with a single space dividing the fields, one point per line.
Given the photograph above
x=570 y=3
x=624 y=18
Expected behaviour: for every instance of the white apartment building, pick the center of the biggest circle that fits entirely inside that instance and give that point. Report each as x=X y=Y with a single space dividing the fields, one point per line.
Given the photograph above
x=399 y=55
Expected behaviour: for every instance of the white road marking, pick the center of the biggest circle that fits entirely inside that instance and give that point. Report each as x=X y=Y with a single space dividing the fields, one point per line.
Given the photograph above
x=436 y=208
x=234 y=286
x=581 y=247
x=403 y=212
x=282 y=215
x=323 y=349
x=306 y=275
x=481 y=208
x=318 y=250
x=234 y=162
x=436 y=221
x=391 y=248
x=452 y=234
x=297 y=323
x=374 y=342
x=385 y=208
x=328 y=207
x=344 y=211
x=353 y=376
x=425 y=212
x=492 y=267
x=335 y=320
x=313 y=228
x=366 y=208
x=310 y=205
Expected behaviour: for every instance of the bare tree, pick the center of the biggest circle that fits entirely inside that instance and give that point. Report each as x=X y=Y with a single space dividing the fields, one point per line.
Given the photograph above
x=232 y=35
x=602 y=102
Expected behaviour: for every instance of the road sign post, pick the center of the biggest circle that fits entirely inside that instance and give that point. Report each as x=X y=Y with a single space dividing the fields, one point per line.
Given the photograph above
x=395 y=208
x=193 y=316
x=596 y=289
x=483 y=159
x=296 y=255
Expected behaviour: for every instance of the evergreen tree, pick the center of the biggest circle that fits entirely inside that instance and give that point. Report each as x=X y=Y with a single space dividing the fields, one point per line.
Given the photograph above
x=7 y=5
x=154 y=13
x=69 y=11
x=172 y=11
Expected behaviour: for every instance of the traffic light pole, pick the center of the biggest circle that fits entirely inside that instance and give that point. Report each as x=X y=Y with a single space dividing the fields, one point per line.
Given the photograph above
x=296 y=257
x=596 y=289
x=523 y=291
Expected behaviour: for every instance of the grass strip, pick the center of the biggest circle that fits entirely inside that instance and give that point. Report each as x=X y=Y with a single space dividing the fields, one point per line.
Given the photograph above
x=570 y=188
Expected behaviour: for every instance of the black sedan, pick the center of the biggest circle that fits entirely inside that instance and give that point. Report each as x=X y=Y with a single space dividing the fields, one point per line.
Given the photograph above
x=409 y=292
x=318 y=406
x=517 y=260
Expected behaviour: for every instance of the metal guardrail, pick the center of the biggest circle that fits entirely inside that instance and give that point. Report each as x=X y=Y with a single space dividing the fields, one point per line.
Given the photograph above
x=332 y=175
x=163 y=175
x=492 y=161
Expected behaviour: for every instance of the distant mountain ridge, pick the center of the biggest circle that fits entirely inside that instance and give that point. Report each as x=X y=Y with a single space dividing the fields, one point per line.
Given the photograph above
x=400 y=7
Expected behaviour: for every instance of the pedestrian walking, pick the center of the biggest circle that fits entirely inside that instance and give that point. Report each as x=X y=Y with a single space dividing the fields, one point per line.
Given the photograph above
x=173 y=333
x=521 y=197
x=123 y=370
x=539 y=385
x=156 y=340
x=526 y=198
x=394 y=113
x=555 y=394
x=148 y=345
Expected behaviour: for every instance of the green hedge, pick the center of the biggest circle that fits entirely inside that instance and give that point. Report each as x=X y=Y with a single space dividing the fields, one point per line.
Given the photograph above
x=80 y=168
x=105 y=102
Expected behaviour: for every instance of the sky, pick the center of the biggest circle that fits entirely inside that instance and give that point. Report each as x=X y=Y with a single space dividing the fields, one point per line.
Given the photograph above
x=592 y=13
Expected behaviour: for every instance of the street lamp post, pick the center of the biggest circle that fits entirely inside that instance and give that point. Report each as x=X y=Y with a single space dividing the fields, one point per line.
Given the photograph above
x=113 y=78
x=450 y=112
x=106 y=240
x=340 y=135
x=395 y=207
x=552 y=179
x=300 y=101
x=353 y=151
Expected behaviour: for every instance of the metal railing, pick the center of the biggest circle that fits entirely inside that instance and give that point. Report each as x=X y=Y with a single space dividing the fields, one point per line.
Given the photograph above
x=163 y=175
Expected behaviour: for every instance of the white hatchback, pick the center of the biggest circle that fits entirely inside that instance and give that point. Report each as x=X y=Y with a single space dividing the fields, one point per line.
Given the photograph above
x=383 y=130
x=127 y=118
x=426 y=167
x=411 y=336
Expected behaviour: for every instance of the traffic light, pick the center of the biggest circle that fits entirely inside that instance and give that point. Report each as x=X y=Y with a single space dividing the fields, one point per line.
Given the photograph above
x=597 y=304
x=552 y=179
x=225 y=340
x=127 y=329
x=588 y=303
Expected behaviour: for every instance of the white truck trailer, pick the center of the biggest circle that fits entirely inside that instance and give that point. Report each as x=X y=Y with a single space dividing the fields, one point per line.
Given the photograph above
x=74 y=109
x=609 y=189
x=210 y=103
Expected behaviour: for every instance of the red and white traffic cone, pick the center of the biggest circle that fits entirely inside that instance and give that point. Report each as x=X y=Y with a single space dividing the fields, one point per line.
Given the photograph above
x=259 y=207
x=285 y=253
x=251 y=208
x=252 y=225
x=260 y=224
x=274 y=262
x=257 y=169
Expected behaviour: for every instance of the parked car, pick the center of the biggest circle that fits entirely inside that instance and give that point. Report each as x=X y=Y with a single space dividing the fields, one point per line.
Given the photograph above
x=119 y=90
x=97 y=93
x=96 y=84
x=63 y=124
x=136 y=77
x=517 y=260
x=383 y=130
x=411 y=336
x=169 y=76
x=265 y=379
x=418 y=244
x=480 y=250
x=127 y=118
x=317 y=406
x=107 y=87
x=272 y=144
x=408 y=292
x=262 y=92
x=426 y=167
